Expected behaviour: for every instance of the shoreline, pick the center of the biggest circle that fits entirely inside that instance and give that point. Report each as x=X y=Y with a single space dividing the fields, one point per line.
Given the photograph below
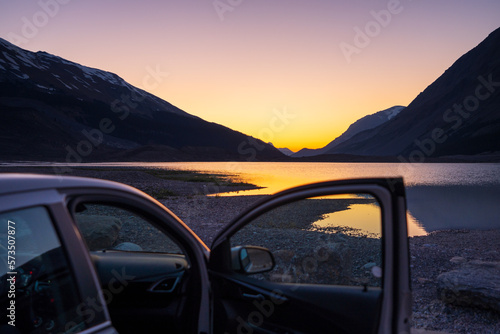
x=185 y=194
x=334 y=158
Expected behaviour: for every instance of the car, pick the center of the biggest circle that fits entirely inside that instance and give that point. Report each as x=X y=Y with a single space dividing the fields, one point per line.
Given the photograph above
x=95 y=256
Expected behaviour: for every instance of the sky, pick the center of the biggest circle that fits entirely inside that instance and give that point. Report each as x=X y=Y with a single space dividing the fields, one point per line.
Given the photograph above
x=295 y=73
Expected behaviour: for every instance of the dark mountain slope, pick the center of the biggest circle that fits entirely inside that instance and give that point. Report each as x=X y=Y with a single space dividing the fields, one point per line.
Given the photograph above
x=362 y=124
x=458 y=114
x=53 y=109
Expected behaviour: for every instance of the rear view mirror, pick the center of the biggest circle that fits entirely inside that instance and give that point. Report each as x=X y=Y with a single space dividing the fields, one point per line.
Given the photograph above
x=252 y=260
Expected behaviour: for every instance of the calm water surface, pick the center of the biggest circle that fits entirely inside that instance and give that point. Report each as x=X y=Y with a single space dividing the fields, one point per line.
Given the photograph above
x=276 y=176
x=440 y=196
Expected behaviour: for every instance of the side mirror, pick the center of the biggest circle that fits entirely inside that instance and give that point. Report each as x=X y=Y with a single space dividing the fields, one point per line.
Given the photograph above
x=252 y=260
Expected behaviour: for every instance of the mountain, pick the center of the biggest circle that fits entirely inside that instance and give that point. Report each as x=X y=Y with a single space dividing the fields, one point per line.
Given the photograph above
x=52 y=109
x=457 y=115
x=365 y=123
x=286 y=151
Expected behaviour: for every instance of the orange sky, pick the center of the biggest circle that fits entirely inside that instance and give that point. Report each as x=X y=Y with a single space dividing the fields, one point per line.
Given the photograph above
x=293 y=72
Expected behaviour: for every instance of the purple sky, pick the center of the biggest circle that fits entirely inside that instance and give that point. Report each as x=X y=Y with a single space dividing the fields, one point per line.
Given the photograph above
x=241 y=63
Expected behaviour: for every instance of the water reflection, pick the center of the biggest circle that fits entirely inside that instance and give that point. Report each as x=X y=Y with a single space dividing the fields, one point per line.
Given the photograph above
x=276 y=176
x=366 y=217
x=455 y=206
x=415 y=228
x=440 y=196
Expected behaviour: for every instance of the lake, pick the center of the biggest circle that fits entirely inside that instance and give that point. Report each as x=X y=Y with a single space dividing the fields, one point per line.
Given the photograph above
x=439 y=196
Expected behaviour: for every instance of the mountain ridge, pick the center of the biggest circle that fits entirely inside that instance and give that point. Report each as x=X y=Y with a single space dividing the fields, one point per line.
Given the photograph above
x=362 y=124
x=456 y=116
x=448 y=118
x=58 y=110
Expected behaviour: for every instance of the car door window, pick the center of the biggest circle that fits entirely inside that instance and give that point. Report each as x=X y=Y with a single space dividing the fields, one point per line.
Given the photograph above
x=333 y=240
x=37 y=287
x=329 y=257
x=142 y=269
x=107 y=226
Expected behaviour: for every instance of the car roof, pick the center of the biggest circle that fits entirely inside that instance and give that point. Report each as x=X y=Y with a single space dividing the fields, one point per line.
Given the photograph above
x=15 y=183
x=11 y=183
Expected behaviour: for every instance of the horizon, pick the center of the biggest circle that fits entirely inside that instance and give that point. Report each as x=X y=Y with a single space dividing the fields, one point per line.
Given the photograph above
x=325 y=65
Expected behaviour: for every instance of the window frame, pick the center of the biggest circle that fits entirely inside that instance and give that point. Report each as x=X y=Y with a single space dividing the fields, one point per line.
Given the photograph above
x=79 y=262
x=390 y=193
x=131 y=206
x=291 y=201
x=193 y=247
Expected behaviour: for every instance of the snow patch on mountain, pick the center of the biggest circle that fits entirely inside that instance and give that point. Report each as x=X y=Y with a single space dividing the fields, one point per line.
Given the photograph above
x=64 y=84
x=12 y=62
x=60 y=75
x=22 y=76
x=393 y=112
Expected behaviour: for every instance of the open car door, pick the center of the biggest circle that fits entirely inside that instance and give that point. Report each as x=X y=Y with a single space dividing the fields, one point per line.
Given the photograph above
x=329 y=257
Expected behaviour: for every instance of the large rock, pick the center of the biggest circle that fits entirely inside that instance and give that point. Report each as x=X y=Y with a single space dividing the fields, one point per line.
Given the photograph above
x=100 y=232
x=476 y=284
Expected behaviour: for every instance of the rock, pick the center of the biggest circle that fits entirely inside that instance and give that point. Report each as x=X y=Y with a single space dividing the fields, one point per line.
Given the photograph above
x=128 y=246
x=458 y=260
x=423 y=280
x=492 y=252
x=476 y=284
x=369 y=265
x=377 y=272
x=99 y=232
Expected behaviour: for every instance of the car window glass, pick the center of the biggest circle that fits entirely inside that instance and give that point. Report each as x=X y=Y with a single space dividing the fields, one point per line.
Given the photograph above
x=105 y=226
x=332 y=240
x=36 y=280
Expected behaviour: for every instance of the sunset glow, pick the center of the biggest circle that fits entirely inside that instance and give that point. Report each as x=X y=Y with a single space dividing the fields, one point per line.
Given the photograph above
x=296 y=73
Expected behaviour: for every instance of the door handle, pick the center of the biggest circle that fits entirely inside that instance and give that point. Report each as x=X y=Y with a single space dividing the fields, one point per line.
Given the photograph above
x=259 y=297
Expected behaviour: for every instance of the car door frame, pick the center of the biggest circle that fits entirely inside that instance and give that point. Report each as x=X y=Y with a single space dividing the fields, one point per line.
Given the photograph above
x=167 y=221
x=390 y=192
x=76 y=253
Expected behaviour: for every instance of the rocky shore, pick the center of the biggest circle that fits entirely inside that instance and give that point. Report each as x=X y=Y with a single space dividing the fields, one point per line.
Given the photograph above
x=431 y=256
x=444 y=255
x=440 y=261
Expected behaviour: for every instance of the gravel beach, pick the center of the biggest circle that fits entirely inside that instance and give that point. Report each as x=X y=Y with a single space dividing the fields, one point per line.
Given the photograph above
x=431 y=255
